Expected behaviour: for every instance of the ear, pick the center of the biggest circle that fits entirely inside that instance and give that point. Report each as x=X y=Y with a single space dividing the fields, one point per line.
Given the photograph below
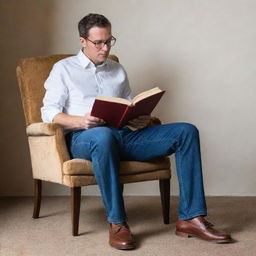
x=82 y=41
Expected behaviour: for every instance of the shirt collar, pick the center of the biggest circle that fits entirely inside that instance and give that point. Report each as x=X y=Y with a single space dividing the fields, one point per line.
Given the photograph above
x=86 y=62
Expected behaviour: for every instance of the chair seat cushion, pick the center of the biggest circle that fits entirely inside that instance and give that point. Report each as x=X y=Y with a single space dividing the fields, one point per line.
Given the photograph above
x=84 y=167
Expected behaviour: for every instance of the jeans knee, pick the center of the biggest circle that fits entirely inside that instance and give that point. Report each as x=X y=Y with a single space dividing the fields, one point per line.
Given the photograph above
x=105 y=136
x=190 y=129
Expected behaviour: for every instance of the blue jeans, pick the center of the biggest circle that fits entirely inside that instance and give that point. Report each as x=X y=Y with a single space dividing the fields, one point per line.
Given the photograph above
x=106 y=146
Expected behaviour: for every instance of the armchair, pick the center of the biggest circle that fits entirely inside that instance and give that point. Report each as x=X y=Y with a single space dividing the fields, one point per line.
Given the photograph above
x=48 y=151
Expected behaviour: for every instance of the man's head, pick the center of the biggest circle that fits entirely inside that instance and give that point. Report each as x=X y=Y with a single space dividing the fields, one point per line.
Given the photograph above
x=95 y=37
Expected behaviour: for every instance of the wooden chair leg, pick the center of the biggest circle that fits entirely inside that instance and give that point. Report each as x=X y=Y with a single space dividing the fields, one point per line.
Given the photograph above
x=122 y=188
x=75 y=209
x=164 y=186
x=37 y=197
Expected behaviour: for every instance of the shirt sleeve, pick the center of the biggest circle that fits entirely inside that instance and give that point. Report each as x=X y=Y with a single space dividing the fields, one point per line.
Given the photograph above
x=56 y=94
x=127 y=93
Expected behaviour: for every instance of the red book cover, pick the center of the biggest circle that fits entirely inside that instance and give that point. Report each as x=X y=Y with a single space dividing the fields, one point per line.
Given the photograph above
x=117 y=114
x=110 y=112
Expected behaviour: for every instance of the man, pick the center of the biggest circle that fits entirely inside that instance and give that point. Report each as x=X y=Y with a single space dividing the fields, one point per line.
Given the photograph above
x=71 y=88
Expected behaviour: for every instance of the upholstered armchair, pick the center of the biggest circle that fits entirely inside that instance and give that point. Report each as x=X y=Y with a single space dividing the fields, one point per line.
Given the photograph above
x=49 y=155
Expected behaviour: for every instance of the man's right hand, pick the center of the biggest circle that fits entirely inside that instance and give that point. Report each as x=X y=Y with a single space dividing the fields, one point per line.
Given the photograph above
x=78 y=122
x=88 y=121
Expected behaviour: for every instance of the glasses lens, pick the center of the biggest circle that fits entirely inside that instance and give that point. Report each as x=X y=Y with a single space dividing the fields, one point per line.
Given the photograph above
x=112 y=41
x=99 y=45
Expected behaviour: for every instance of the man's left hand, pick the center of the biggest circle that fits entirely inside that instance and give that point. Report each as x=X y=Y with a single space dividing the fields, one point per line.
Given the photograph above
x=140 y=122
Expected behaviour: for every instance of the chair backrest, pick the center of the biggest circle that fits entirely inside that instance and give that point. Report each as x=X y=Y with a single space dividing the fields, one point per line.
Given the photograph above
x=31 y=74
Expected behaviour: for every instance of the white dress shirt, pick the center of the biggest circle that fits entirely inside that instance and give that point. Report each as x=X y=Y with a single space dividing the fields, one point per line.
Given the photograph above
x=74 y=82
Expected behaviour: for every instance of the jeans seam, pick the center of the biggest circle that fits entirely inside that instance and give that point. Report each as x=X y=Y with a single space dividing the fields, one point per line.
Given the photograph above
x=181 y=184
x=74 y=138
x=95 y=161
x=146 y=142
x=80 y=143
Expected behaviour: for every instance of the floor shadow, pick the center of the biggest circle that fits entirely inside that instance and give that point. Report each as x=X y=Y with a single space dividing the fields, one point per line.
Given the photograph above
x=52 y=214
x=85 y=233
x=233 y=214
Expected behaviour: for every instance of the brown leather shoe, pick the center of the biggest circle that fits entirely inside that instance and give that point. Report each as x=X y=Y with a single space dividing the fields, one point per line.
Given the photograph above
x=201 y=228
x=121 y=237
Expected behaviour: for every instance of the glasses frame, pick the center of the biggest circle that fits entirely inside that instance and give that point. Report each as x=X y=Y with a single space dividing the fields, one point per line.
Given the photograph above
x=107 y=43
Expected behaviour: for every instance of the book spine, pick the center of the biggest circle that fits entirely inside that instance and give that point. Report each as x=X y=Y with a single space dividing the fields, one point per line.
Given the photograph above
x=122 y=120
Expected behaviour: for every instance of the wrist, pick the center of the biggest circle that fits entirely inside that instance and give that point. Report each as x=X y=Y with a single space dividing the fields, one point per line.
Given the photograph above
x=78 y=123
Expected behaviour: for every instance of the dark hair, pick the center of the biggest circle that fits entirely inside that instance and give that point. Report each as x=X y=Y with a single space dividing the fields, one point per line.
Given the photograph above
x=92 y=20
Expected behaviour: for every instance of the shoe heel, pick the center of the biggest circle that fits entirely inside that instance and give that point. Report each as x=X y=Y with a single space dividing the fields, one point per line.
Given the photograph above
x=182 y=234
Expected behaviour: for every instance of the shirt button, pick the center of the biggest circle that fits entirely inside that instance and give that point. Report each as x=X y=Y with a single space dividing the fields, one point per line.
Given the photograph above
x=98 y=79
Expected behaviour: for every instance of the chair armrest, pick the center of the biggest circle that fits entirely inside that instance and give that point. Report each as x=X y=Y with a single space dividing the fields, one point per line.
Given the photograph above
x=42 y=129
x=48 y=151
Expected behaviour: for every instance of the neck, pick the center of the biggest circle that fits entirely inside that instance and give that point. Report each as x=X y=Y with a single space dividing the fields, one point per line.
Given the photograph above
x=96 y=64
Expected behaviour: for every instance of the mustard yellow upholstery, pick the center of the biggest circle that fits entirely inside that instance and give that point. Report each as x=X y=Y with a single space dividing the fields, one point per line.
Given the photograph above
x=84 y=167
x=49 y=155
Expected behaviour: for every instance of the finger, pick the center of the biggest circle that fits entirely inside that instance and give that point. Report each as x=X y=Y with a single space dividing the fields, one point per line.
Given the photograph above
x=96 y=120
x=132 y=122
x=136 y=126
x=142 y=121
x=144 y=117
x=93 y=118
x=89 y=126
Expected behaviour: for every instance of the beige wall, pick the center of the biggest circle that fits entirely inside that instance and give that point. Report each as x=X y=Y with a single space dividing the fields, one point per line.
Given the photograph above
x=202 y=52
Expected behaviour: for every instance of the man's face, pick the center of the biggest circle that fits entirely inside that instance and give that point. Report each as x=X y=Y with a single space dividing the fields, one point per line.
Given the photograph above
x=96 y=34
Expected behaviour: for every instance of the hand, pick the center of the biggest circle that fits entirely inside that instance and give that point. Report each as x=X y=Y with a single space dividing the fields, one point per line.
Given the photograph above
x=140 y=122
x=89 y=121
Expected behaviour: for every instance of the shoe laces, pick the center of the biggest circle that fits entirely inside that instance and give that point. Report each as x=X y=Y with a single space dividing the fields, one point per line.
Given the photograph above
x=207 y=223
x=120 y=227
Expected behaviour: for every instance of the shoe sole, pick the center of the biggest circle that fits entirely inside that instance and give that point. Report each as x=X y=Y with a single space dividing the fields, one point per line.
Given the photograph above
x=126 y=247
x=188 y=235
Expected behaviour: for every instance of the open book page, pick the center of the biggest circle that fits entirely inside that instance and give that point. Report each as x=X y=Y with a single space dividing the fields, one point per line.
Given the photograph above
x=146 y=94
x=114 y=99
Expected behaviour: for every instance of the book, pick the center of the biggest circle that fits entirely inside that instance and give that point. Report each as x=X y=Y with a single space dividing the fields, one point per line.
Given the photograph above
x=117 y=112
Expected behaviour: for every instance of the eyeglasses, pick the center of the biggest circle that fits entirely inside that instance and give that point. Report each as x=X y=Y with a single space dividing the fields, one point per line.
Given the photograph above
x=100 y=44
